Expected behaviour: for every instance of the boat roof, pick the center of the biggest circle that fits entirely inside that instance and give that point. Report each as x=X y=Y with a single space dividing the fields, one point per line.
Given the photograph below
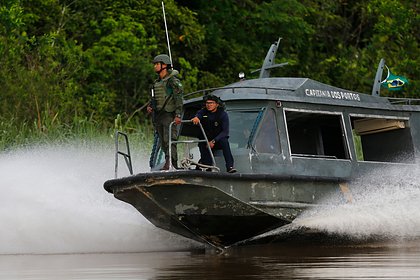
x=303 y=90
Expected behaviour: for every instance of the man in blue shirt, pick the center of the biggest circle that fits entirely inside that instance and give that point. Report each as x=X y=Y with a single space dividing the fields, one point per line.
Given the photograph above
x=215 y=122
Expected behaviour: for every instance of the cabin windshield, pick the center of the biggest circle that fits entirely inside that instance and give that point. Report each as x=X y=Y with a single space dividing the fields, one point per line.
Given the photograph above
x=313 y=134
x=267 y=139
x=242 y=125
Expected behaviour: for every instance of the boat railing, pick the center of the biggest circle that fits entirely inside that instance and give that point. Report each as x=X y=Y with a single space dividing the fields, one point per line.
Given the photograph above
x=189 y=161
x=266 y=90
x=126 y=155
x=200 y=93
x=404 y=101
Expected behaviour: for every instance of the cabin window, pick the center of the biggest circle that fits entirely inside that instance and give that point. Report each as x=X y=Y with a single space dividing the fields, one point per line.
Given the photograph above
x=267 y=140
x=241 y=125
x=318 y=135
x=382 y=139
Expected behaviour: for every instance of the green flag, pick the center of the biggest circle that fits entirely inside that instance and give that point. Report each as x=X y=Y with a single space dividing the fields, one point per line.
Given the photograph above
x=394 y=82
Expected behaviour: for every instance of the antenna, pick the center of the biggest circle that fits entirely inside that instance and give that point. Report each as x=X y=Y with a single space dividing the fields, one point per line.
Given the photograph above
x=167 y=35
x=268 y=63
x=376 y=89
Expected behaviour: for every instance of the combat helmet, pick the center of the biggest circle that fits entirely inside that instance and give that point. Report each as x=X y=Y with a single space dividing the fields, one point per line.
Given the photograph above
x=163 y=58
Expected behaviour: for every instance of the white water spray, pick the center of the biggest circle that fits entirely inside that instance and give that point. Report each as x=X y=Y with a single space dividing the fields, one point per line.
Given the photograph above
x=386 y=205
x=52 y=201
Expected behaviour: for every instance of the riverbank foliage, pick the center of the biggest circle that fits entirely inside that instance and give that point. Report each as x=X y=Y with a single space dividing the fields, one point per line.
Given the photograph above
x=71 y=67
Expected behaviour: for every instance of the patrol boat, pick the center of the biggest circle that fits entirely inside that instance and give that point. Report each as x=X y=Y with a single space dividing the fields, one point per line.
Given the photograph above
x=295 y=142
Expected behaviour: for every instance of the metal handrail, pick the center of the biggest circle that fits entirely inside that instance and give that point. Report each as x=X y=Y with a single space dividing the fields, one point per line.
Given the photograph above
x=204 y=91
x=127 y=155
x=404 y=100
x=198 y=93
x=205 y=140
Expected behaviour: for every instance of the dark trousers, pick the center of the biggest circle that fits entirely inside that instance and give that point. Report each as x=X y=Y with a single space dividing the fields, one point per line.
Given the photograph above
x=222 y=144
x=162 y=127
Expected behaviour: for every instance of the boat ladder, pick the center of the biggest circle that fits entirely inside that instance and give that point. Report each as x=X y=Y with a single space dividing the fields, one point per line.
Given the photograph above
x=126 y=154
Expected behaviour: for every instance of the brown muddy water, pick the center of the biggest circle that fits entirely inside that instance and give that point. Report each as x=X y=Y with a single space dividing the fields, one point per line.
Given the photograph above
x=57 y=222
x=396 y=260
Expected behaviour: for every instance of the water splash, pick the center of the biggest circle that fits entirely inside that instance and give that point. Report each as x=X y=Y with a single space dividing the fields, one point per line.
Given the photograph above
x=386 y=204
x=53 y=201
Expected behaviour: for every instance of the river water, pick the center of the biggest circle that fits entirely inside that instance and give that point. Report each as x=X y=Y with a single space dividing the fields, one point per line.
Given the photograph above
x=57 y=222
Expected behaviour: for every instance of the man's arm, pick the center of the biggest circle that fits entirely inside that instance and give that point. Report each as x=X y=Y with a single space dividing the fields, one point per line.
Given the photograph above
x=197 y=117
x=225 y=127
x=177 y=94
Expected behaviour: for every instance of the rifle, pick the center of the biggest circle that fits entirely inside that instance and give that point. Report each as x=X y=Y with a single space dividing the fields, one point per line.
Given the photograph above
x=156 y=142
x=153 y=104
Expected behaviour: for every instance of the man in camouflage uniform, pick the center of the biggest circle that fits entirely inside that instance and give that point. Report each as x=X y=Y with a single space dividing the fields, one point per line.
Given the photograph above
x=168 y=96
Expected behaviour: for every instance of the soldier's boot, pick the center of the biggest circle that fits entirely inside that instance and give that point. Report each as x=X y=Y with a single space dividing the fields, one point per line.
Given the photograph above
x=166 y=165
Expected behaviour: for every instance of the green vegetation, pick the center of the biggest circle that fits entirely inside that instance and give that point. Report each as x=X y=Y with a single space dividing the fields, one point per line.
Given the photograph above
x=72 y=68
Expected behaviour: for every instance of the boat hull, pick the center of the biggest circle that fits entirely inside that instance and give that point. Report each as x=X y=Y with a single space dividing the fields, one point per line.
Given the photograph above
x=218 y=209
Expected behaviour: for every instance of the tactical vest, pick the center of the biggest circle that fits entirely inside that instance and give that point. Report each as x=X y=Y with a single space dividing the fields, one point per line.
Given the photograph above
x=163 y=93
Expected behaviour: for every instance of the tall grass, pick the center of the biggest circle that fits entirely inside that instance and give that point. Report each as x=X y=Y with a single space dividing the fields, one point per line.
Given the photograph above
x=15 y=134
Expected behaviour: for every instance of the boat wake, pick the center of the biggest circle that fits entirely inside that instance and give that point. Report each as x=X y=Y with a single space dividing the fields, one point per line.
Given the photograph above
x=53 y=201
x=381 y=209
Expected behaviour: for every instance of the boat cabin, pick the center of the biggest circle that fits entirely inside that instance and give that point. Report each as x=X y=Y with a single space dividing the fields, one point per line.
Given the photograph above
x=297 y=126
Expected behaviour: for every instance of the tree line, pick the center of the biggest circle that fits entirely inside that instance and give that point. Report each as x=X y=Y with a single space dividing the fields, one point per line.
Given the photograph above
x=67 y=61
